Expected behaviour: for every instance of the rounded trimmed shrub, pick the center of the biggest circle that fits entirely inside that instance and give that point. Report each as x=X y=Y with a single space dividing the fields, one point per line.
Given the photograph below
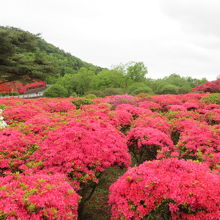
x=37 y=197
x=56 y=91
x=166 y=189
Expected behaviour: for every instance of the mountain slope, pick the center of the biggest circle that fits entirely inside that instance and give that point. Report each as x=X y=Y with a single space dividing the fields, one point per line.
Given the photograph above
x=24 y=56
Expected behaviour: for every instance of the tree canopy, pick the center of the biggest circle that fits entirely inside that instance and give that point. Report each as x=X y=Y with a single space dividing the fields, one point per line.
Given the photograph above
x=24 y=56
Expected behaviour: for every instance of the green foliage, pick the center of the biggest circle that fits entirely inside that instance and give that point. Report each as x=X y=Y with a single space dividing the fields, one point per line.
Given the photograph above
x=2 y=106
x=136 y=71
x=144 y=89
x=73 y=94
x=82 y=101
x=13 y=93
x=139 y=87
x=97 y=93
x=56 y=91
x=183 y=84
x=112 y=91
x=133 y=71
x=108 y=79
x=213 y=98
x=90 y=96
x=168 y=89
x=24 y=55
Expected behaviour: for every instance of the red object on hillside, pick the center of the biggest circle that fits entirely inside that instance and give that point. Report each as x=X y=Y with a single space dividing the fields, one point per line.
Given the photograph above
x=15 y=86
x=213 y=86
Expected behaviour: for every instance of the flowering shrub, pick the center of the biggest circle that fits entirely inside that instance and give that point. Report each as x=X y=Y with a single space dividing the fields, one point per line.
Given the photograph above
x=166 y=189
x=121 y=118
x=60 y=106
x=213 y=86
x=20 y=113
x=15 y=86
x=197 y=143
x=37 y=197
x=82 y=150
x=49 y=136
x=41 y=124
x=154 y=121
x=150 y=105
x=144 y=143
x=211 y=99
x=213 y=116
x=134 y=110
x=15 y=149
x=174 y=115
x=176 y=108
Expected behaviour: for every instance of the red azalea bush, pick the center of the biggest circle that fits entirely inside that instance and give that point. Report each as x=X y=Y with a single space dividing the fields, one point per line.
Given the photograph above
x=40 y=124
x=120 y=99
x=82 y=150
x=20 y=113
x=15 y=86
x=197 y=142
x=213 y=86
x=213 y=116
x=150 y=105
x=157 y=122
x=49 y=136
x=144 y=143
x=174 y=115
x=37 y=197
x=60 y=106
x=121 y=118
x=166 y=189
x=15 y=149
x=176 y=108
x=134 y=110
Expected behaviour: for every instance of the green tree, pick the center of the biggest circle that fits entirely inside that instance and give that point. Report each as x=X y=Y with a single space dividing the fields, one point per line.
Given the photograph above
x=82 y=80
x=136 y=71
x=168 y=89
x=56 y=91
x=108 y=79
x=24 y=56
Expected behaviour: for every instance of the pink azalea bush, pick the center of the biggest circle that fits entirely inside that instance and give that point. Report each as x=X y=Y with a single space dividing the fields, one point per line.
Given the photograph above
x=154 y=121
x=15 y=86
x=15 y=149
x=197 y=141
x=20 y=113
x=166 y=189
x=50 y=137
x=37 y=197
x=82 y=150
x=213 y=86
x=144 y=143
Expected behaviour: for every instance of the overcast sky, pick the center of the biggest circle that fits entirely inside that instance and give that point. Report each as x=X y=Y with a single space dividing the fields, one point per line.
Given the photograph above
x=169 y=36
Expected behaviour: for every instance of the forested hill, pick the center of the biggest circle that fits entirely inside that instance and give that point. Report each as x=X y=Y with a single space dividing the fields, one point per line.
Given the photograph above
x=24 y=56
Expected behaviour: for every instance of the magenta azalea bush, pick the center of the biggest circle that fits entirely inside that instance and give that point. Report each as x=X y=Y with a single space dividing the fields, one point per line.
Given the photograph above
x=166 y=189
x=144 y=143
x=56 y=157
x=37 y=197
x=213 y=86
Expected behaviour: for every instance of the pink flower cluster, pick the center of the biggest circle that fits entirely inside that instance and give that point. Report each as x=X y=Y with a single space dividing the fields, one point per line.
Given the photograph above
x=37 y=197
x=165 y=189
x=213 y=86
x=82 y=151
x=144 y=142
x=15 y=86
x=49 y=139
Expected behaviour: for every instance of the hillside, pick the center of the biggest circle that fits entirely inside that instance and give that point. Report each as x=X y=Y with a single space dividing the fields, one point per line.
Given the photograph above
x=25 y=56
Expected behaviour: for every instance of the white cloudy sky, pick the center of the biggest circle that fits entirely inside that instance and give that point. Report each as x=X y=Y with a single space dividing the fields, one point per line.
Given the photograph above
x=169 y=36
